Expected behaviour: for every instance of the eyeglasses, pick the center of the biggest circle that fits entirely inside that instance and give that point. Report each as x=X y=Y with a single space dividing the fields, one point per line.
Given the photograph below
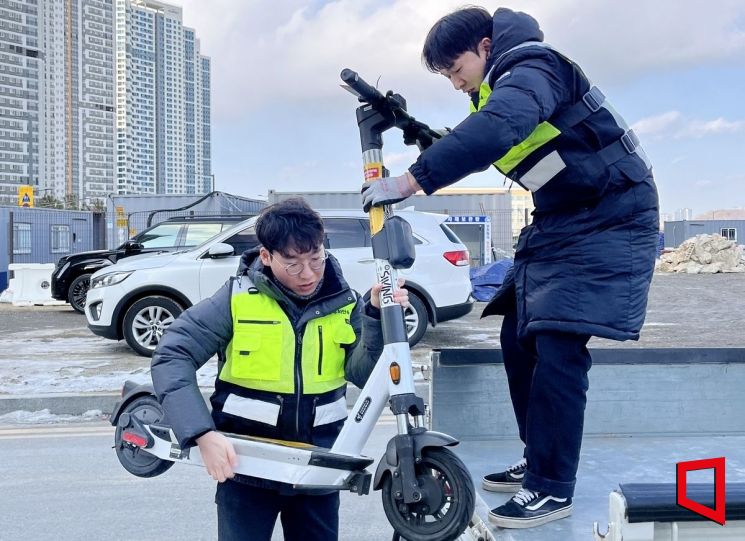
x=315 y=264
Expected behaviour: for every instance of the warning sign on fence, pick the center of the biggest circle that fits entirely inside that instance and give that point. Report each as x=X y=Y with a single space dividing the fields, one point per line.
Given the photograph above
x=26 y=196
x=121 y=218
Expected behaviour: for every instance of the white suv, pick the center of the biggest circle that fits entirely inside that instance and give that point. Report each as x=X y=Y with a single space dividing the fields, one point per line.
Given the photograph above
x=139 y=297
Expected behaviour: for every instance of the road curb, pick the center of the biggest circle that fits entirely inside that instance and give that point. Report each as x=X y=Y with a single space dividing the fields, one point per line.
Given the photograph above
x=77 y=404
x=60 y=403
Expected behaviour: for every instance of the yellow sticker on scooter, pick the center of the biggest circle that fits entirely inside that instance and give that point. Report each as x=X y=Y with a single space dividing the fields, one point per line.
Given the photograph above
x=284 y=443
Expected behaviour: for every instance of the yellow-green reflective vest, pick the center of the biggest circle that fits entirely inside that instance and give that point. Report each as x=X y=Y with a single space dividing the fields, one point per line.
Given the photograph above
x=542 y=134
x=262 y=353
x=535 y=172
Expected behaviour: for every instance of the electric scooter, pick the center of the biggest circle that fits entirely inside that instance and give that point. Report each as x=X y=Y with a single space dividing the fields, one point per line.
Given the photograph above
x=428 y=494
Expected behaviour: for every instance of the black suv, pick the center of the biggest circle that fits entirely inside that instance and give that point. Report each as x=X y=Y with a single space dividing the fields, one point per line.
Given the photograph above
x=71 y=276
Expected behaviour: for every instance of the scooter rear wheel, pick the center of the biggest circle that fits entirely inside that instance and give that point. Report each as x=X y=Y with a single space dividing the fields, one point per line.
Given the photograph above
x=447 y=503
x=134 y=459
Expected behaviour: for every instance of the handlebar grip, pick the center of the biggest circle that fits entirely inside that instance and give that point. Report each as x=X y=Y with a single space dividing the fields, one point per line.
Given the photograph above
x=366 y=91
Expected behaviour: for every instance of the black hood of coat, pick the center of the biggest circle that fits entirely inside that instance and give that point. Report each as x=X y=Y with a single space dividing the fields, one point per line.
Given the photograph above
x=511 y=28
x=248 y=258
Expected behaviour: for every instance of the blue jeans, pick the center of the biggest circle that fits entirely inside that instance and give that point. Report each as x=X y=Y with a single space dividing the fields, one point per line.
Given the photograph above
x=249 y=513
x=547 y=376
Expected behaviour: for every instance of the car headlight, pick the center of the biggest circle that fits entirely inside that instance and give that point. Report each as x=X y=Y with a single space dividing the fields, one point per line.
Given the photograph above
x=109 y=279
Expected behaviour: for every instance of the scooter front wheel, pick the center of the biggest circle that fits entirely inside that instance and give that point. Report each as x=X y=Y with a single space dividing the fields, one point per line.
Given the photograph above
x=136 y=461
x=447 y=503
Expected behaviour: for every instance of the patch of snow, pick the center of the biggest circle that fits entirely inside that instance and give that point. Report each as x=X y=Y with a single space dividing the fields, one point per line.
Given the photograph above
x=47 y=362
x=483 y=337
x=6 y=296
x=21 y=417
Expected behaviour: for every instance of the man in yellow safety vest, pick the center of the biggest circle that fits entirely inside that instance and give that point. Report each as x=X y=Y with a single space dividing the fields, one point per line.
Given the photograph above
x=289 y=333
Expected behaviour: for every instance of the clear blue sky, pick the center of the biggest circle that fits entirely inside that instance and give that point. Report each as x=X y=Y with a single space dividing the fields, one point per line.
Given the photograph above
x=674 y=69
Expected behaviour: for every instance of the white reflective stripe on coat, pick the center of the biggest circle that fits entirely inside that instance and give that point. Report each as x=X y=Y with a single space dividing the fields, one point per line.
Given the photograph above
x=330 y=413
x=251 y=409
x=546 y=169
x=639 y=151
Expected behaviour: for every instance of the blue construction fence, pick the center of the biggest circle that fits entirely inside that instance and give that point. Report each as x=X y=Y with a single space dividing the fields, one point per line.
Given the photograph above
x=37 y=235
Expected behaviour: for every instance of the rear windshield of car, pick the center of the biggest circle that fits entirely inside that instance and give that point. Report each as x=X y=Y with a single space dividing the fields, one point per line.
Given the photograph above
x=452 y=237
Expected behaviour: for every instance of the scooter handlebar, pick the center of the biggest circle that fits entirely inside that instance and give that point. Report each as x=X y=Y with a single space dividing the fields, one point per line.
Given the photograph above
x=366 y=91
x=393 y=104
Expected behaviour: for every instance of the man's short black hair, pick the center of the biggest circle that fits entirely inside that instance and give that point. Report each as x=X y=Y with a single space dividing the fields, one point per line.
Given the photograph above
x=290 y=225
x=455 y=34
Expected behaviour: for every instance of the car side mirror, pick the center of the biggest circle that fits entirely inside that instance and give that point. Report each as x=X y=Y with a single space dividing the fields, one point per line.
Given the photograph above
x=219 y=250
x=132 y=246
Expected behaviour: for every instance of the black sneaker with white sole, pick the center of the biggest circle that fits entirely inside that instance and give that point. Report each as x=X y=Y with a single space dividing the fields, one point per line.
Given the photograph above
x=509 y=480
x=527 y=509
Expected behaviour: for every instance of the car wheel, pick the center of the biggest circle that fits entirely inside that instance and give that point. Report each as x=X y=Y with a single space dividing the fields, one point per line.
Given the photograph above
x=147 y=320
x=77 y=292
x=416 y=319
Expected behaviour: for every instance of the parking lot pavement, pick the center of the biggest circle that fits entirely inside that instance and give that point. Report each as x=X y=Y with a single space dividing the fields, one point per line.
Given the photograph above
x=684 y=310
x=49 y=349
x=692 y=310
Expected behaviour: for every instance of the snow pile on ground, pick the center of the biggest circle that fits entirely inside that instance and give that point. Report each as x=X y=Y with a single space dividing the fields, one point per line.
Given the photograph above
x=21 y=417
x=6 y=296
x=704 y=254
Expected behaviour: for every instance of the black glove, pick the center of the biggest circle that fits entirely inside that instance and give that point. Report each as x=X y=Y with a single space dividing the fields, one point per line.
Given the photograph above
x=423 y=139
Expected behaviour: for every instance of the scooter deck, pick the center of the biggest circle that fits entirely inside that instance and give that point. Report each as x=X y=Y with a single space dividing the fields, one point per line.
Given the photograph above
x=318 y=456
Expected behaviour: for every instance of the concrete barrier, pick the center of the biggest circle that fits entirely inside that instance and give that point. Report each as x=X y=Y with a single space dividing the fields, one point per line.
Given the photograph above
x=633 y=391
x=30 y=283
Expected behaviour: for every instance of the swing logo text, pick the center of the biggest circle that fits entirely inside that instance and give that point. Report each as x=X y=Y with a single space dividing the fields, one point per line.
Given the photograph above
x=717 y=513
x=386 y=291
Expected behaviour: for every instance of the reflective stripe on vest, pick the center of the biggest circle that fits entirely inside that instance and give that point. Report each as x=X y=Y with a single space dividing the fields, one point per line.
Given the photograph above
x=261 y=354
x=542 y=134
x=552 y=164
